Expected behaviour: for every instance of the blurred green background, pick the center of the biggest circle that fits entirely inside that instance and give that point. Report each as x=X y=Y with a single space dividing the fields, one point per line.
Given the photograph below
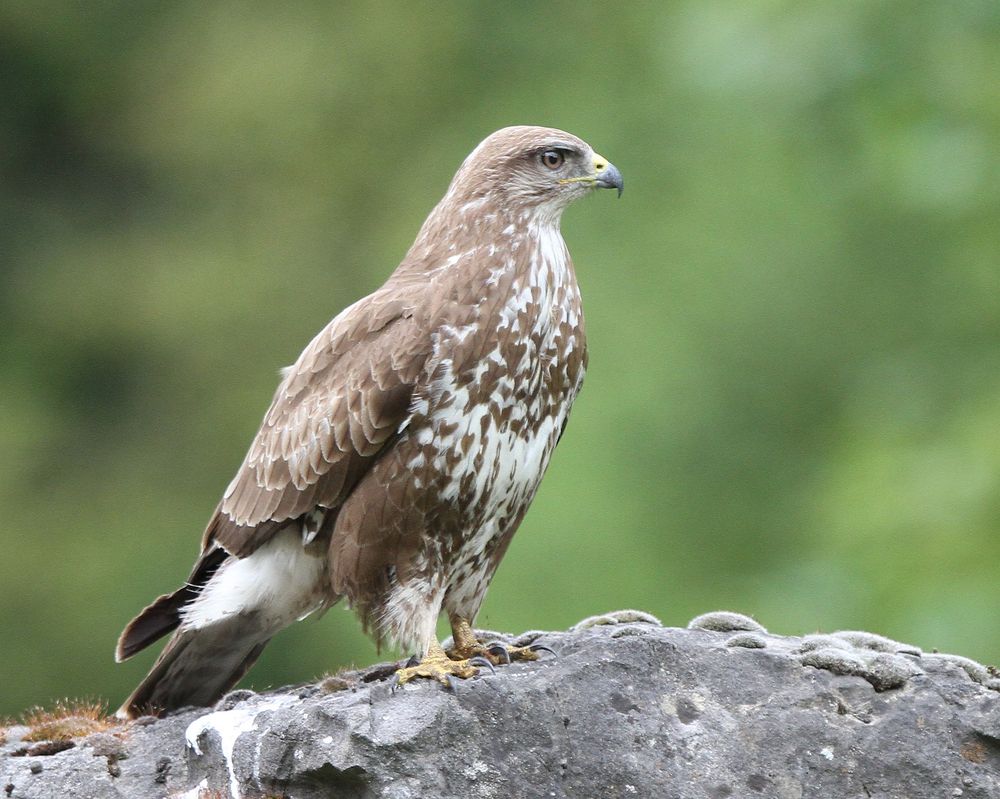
x=793 y=403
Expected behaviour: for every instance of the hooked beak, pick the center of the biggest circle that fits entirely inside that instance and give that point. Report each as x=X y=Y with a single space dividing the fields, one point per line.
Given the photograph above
x=607 y=175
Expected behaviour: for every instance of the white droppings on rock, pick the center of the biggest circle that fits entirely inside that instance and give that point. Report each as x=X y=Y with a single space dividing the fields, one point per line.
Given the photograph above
x=229 y=725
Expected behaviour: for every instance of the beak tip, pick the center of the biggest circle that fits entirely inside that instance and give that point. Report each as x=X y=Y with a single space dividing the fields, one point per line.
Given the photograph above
x=611 y=178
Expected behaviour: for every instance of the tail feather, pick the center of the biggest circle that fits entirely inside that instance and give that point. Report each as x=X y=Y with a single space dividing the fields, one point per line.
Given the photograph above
x=198 y=666
x=164 y=615
x=154 y=622
x=222 y=619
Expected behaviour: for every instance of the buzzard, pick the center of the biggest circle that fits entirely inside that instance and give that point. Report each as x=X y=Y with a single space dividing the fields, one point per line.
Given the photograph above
x=404 y=446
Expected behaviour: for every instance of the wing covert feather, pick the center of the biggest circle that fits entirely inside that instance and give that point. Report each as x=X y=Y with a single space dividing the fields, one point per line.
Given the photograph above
x=334 y=412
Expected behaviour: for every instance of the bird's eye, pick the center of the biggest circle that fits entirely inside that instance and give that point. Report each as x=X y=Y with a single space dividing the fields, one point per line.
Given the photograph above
x=553 y=159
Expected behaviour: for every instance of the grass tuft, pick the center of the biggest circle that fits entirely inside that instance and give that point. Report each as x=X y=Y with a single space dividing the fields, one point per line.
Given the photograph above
x=67 y=719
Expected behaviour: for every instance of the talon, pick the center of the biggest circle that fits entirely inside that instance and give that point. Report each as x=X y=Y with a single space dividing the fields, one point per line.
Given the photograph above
x=413 y=661
x=468 y=645
x=499 y=651
x=481 y=661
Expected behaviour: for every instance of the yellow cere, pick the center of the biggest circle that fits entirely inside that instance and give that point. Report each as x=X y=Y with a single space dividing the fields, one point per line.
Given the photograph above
x=600 y=164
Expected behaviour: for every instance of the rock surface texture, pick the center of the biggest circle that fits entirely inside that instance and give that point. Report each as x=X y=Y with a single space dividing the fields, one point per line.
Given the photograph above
x=627 y=708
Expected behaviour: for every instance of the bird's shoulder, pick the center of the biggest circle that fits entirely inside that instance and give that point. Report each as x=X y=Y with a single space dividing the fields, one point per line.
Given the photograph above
x=335 y=409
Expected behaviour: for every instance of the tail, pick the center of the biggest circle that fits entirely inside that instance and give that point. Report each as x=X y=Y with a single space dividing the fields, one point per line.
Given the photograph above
x=197 y=667
x=222 y=619
x=164 y=615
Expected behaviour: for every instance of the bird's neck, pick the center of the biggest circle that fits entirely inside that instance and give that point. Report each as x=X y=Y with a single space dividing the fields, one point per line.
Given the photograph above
x=462 y=232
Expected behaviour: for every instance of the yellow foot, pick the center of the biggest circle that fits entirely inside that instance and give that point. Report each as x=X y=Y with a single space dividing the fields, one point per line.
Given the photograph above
x=498 y=652
x=438 y=666
x=467 y=645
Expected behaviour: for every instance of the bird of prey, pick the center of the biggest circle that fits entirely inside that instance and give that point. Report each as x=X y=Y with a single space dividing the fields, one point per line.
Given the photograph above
x=404 y=446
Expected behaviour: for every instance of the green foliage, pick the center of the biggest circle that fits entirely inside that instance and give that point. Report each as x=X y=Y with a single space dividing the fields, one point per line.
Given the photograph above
x=794 y=311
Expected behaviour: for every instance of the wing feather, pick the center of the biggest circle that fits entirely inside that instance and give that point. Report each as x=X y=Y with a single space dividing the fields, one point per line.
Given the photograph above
x=334 y=412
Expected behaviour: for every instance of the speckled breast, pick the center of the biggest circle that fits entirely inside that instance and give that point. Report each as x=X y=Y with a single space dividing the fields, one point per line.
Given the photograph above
x=496 y=415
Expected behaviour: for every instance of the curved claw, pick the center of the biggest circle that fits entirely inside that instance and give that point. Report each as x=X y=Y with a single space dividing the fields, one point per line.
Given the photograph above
x=498 y=650
x=542 y=648
x=413 y=661
x=481 y=661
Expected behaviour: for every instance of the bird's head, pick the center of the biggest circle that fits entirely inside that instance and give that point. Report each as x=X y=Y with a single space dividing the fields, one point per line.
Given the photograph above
x=534 y=169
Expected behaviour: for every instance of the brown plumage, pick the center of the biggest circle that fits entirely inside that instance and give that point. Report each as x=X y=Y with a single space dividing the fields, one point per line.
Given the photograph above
x=404 y=446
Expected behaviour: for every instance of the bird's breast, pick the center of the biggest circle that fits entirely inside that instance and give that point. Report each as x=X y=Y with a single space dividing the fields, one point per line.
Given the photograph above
x=502 y=387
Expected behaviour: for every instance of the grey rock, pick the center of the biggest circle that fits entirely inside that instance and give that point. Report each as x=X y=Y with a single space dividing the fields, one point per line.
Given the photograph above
x=747 y=640
x=823 y=641
x=105 y=744
x=977 y=671
x=627 y=709
x=15 y=733
x=877 y=643
x=725 y=621
x=617 y=617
